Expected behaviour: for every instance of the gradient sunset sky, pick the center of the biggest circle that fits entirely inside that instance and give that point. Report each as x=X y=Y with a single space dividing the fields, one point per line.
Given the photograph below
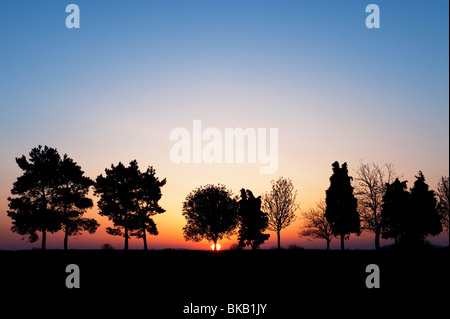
x=114 y=89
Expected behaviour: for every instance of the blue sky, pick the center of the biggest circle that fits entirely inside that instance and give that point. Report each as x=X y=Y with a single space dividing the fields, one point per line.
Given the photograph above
x=115 y=88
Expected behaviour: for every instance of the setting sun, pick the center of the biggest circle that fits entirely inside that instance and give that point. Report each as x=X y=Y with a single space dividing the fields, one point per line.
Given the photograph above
x=217 y=247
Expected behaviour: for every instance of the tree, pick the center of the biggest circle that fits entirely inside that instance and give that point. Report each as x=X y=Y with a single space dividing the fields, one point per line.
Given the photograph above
x=149 y=194
x=117 y=197
x=211 y=214
x=371 y=185
x=129 y=198
x=443 y=197
x=424 y=218
x=71 y=200
x=280 y=205
x=252 y=221
x=394 y=210
x=316 y=225
x=32 y=211
x=408 y=217
x=341 y=205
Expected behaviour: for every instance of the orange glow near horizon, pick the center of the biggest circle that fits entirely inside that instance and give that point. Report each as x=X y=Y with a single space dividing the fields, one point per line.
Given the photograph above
x=217 y=246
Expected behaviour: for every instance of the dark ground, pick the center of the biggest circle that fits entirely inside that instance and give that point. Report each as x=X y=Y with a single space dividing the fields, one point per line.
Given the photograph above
x=158 y=284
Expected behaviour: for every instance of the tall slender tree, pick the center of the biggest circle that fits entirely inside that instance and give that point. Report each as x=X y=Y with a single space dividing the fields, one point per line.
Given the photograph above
x=443 y=195
x=341 y=211
x=31 y=209
x=371 y=185
x=424 y=218
x=394 y=210
x=252 y=221
x=280 y=205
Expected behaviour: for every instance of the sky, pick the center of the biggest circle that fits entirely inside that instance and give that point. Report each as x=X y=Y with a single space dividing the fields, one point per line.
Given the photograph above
x=114 y=89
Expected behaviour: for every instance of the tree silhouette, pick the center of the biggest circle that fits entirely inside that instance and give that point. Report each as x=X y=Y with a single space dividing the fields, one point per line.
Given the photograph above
x=117 y=197
x=425 y=219
x=316 y=225
x=129 y=198
x=252 y=221
x=148 y=196
x=394 y=210
x=71 y=199
x=443 y=195
x=341 y=211
x=32 y=211
x=211 y=214
x=280 y=205
x=371 y=185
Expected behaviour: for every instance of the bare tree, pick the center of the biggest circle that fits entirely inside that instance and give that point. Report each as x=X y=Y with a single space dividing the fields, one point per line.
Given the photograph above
x=371 y=185
x=316 y=225
x=280 y=205
x=443 y=195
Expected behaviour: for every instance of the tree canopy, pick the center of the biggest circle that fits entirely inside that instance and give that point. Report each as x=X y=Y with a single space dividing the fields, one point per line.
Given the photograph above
x=211 y=214
x=252 y=221
x=52 y=195
x=341 y=211
x=31 y=211
x=280 y=205
x=71 y=200
x=315 y=224
x=129 y=198
x=408 y=217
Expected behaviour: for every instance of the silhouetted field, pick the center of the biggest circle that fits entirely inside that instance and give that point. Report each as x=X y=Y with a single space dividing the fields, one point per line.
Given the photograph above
x=162 y=282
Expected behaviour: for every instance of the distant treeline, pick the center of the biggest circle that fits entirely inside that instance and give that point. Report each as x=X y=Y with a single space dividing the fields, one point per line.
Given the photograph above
x=52 y=195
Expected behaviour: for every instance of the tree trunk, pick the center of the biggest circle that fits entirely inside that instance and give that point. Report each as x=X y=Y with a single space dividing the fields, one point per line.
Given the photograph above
x=278 y=239
x=328 y=244
x=66 y=238
x=44 y=239
x=342 y=241
x=144 y=237
x=215 y=245
x=377 y=240
x=126 y=237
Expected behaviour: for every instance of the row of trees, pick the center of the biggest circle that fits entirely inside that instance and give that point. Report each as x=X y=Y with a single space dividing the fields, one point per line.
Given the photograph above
x=212 y=212
x=52 y=195
x=380 y=203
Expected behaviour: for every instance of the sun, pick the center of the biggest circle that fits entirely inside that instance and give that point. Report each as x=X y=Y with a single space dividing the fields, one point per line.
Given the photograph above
x=217 y=246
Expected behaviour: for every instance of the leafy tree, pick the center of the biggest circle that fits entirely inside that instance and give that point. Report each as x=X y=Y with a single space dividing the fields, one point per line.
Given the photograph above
x=31 y=210
x=71 y=199
x=117 y=197
x=252 y=221
x=211 y=214
x=371 y=185
x=148 y=196
x=394 y=210
x=316 y=225
x=425 y=219
x=129 y=198
x=280 y=205
x=409 y=217
x=341 y=211
x=443 y=195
